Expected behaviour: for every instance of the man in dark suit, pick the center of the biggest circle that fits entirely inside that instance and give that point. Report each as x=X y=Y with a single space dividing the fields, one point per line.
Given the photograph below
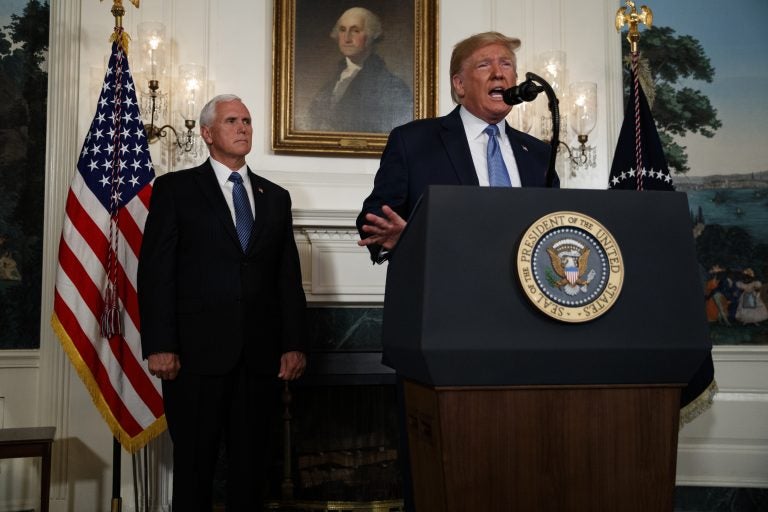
x=362 y=95
x=222 y=310
x=452 y=150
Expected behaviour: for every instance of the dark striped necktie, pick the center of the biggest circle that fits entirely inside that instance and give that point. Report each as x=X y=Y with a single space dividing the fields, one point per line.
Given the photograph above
x=243 y=214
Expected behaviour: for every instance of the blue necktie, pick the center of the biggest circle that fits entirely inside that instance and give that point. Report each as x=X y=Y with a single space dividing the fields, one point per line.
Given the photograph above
x=497 y=171
x=243 y=215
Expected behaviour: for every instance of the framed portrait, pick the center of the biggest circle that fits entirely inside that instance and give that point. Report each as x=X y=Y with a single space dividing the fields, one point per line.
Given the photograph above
x=345 y=72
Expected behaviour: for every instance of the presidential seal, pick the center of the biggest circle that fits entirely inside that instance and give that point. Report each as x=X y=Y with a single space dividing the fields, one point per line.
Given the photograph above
x=570 y=266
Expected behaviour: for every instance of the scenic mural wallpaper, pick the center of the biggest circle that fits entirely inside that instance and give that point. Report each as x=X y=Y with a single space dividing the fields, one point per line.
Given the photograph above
x=23 y=92
x=710 y=106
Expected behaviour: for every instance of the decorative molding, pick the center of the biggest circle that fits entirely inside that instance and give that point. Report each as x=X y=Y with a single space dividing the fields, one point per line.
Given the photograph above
x=334 y=268
x=19 y=359
x=740 y=353
x=325 y=218
x=333 y=235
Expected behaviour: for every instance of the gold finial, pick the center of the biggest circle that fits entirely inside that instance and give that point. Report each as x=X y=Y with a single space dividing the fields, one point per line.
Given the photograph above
x=631 y=18
x=118 y=11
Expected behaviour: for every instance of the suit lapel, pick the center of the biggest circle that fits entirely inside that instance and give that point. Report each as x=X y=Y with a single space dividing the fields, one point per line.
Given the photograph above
x=527 y=165
x=457 y=147
x=211 y=190
x=259 y=206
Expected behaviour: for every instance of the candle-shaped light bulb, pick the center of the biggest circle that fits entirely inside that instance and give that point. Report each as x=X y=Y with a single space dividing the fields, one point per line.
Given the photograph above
x=192 y=85
x=190 y=90
x=152 y=38
x=583 y=107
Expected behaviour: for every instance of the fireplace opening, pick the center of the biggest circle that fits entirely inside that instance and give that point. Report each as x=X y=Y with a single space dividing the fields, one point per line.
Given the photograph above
x=345 y=443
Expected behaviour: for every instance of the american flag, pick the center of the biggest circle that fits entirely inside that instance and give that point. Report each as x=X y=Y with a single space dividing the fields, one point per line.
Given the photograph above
x=96 y=314
x=640 y=164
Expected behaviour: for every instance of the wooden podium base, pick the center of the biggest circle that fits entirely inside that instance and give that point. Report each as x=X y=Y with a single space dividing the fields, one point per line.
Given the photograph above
x=564 y=448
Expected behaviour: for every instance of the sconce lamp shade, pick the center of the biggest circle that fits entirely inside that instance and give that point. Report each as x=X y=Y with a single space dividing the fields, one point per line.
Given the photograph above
x=583 y=107
x=152 y=47
x=552 y=69
x=190 y=91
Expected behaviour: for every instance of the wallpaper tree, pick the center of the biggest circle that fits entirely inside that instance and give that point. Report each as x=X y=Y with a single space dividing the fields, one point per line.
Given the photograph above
x=666 y=60
x=23 y=92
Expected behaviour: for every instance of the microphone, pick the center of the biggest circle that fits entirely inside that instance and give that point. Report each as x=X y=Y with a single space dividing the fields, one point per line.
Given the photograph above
x=526 y=91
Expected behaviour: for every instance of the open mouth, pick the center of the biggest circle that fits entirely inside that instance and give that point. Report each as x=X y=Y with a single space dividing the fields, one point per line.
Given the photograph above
x=497 y=93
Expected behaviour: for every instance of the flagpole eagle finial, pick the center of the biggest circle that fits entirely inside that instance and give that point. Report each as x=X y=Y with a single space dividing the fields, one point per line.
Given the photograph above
x=629 y=16
x=118 y=11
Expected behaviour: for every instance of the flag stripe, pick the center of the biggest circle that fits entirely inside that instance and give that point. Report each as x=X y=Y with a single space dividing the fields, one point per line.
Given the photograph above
x=85 y=287
x=131 y=232
x=92 y=235
x=144 y=194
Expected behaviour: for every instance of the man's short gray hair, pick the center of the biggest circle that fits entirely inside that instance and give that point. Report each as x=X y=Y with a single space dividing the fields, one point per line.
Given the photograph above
x=208 y=113
x=372 y=24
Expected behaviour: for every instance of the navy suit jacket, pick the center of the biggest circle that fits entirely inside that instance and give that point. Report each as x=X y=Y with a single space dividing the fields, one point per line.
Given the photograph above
x=203 y=297
x=436 y=152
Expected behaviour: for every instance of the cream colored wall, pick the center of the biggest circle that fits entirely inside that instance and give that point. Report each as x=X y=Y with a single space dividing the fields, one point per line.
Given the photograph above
x=233 y=38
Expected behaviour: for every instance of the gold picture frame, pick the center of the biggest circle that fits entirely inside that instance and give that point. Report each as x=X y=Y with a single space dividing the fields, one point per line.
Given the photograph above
x=306 y=58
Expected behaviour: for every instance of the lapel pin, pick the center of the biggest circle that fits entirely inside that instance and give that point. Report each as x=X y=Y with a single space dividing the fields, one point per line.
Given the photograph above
x=261 y=190
x=525 y=148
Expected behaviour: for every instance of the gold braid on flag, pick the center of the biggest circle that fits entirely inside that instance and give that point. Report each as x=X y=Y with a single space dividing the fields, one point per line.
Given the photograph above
x=699 y=405
x=110 y=320
x=631 y=18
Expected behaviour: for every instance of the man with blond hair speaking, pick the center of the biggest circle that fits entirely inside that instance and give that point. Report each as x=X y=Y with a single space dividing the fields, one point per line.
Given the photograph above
x=455 y=149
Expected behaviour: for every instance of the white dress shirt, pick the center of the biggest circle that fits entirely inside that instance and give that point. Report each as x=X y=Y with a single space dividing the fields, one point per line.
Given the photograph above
x=222 y=176
x=478 y=144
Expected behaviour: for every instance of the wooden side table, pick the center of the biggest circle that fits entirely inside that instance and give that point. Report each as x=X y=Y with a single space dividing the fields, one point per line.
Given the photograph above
x=31 y=442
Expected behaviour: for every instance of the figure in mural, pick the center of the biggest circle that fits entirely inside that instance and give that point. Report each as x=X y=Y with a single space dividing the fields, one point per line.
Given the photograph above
x=362 y=95
x=716 y=303
x=751 y=308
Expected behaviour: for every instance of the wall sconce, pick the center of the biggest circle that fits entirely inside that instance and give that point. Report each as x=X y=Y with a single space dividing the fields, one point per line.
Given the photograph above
x=551 y=67
x=154 y=102
x=583 y=117
x=522 y=116
x=579 y=110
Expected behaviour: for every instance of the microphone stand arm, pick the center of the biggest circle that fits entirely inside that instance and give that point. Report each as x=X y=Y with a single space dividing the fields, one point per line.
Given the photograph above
x=554 y=111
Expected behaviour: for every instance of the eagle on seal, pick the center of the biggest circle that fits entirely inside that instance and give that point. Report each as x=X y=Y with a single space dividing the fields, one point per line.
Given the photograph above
x=569 y=261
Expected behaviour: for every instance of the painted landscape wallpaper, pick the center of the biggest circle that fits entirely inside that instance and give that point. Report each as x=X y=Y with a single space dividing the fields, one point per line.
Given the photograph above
x=708 y=65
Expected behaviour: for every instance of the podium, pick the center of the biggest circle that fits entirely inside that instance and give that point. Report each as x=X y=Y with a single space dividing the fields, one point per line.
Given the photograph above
x=509 y=409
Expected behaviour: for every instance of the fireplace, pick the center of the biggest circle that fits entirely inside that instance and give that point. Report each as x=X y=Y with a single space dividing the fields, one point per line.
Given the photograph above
x=342 y=417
